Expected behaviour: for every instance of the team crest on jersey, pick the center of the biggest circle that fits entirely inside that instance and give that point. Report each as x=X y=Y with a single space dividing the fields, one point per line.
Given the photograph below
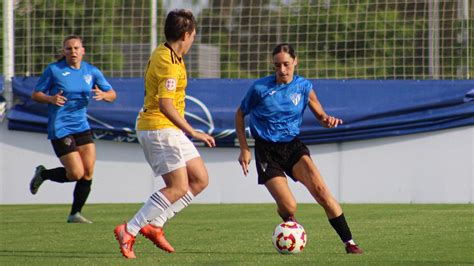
x=88 y=79
x=170 y=84
x=295 y=98
x=68 y=141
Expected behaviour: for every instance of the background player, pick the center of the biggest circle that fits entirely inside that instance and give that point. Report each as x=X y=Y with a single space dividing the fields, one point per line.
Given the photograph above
x=66 y=87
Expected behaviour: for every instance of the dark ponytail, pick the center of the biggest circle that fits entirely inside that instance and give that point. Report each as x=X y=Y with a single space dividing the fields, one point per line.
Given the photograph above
x=286 y=48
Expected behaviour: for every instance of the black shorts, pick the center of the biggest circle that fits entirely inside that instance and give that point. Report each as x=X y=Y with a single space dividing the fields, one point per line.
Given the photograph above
x=277 y=158
x=70 y=143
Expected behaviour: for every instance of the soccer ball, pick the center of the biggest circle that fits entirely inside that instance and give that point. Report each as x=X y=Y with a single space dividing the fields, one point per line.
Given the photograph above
x=289 y=238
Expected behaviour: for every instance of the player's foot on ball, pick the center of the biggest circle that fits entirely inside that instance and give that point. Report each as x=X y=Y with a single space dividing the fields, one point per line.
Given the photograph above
x=37 y=180
x=125 y=240
x=290 y=218
x=157 y=236
x=353 y=249
x=78 y=218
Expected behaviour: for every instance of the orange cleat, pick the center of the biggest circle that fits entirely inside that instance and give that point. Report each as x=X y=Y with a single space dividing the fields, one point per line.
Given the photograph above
x=157 y=236
x=126 y=241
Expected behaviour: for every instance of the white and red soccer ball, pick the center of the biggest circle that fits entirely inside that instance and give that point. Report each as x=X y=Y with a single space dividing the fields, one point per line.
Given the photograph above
x=289 y=238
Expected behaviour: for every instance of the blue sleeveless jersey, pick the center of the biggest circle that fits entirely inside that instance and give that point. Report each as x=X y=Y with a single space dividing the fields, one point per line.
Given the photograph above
x=276 y=110
x=76 y=85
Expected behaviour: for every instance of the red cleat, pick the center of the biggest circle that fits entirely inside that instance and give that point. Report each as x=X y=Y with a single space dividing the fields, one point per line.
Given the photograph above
x=126 y=241
x=157 y=236
x=353 y=249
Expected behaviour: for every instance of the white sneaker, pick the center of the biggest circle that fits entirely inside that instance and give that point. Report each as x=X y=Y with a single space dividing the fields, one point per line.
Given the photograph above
x=78 y=218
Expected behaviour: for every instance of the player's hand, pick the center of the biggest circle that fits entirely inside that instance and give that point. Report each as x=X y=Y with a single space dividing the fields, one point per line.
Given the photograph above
x=207 y=139
x=58 y=99
x=330 y=121
x=98 y=94
x=244 y=160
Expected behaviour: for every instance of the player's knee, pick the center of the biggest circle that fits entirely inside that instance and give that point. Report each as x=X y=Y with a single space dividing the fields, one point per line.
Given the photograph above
x=203 y=183
x=88 y=175
x=180 y=191
x=198 y=184
x=75 y=174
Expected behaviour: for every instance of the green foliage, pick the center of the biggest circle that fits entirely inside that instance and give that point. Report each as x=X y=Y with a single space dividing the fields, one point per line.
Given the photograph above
x=239 y=234
x=334 y=39
x=50 y=21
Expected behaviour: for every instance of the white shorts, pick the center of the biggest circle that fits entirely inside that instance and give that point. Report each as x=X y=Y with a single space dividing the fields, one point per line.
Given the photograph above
x=166 y=149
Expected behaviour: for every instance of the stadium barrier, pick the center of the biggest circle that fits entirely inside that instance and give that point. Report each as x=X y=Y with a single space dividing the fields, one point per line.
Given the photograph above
x=369 y=108
x=428 y=167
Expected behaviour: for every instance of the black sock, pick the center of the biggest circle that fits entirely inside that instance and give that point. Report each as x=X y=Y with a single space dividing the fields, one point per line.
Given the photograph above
x=81 y=192
x=56 y=175
x=340 y=225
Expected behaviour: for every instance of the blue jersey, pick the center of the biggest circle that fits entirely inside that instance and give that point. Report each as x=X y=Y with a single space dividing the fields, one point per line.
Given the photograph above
x=76 y=85
x=276 y=110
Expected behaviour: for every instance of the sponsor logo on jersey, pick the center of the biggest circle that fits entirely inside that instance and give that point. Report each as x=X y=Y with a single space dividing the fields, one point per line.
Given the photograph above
x=264 y=166
x=170 y=84
x=272 y=92
x=88 y=79
x=66 y=73
x=295 y=98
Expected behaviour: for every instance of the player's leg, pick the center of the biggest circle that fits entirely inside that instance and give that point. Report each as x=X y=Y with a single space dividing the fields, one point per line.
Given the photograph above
x=281 y=193
x=197 y=175
x=176 y=186
x=164 y=155
x=72 y=169
x=198 y=180
x=82 y=189
x=268 y=162
x=307 y=173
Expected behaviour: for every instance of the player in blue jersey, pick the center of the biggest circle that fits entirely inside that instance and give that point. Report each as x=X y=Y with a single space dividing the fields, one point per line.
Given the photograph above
x=275 y=106
x=67 y=86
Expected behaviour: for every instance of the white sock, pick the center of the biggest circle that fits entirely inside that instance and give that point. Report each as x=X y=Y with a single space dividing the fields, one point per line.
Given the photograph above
x=350 y=242
x=173 y=210
x=154 y=207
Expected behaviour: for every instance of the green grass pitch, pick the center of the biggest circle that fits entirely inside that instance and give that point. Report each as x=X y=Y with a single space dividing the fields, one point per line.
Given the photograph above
x=240 y=234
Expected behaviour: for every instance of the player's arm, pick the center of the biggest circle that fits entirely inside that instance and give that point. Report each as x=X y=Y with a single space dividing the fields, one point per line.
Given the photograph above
x=57 y=99
x=318 y=111
x=168 y=109
x=100 y=95
x=45 y=83
x=102 y=89
x=245 y=156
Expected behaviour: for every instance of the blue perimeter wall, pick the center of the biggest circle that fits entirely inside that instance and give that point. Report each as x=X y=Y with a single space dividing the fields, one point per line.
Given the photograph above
x=369 y=108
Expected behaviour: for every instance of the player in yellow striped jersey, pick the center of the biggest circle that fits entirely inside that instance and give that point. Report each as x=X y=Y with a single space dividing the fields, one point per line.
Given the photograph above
x=165 y=77
x=161 y=130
